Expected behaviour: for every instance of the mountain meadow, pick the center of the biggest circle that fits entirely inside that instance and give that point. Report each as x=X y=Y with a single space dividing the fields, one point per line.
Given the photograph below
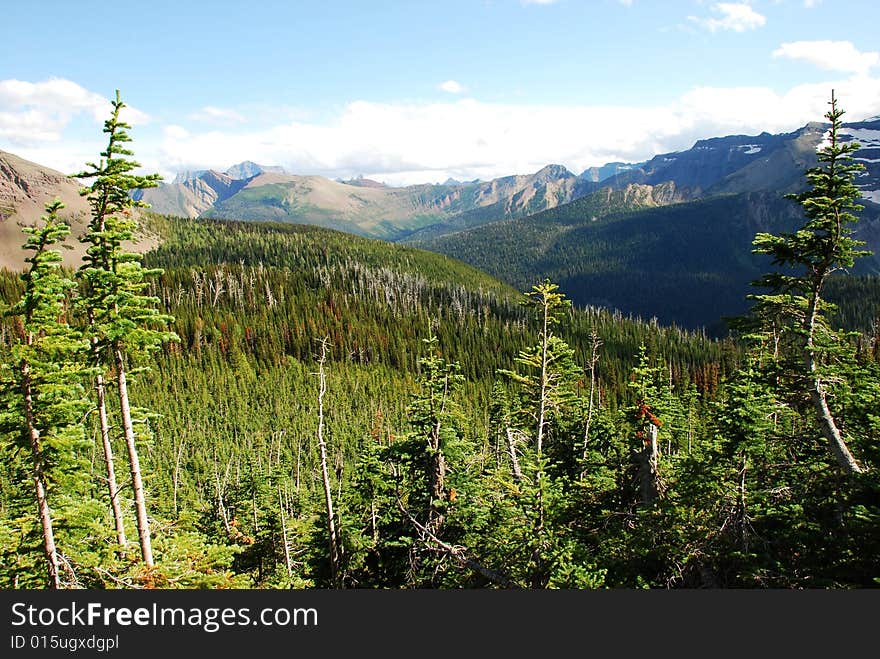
x=651 y=375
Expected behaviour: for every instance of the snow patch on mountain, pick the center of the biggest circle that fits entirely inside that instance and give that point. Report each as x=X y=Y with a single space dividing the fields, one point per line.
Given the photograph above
x=867 y=137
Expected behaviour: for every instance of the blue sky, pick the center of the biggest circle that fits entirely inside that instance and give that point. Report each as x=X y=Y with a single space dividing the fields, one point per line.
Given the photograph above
x=409 y=92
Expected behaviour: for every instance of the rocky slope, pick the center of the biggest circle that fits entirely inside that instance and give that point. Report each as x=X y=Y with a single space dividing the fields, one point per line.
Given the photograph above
x=743 y=163
x=25 y=188
x=360 y=206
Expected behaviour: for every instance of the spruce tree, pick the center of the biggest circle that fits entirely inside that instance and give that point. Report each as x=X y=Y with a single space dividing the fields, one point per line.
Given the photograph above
x=822 y=246
x=547 y=376
x=431 y=414
x=124 y=321
x=45 y=399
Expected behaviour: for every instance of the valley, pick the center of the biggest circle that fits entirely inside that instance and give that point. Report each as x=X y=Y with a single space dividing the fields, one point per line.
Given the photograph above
x=528 y=382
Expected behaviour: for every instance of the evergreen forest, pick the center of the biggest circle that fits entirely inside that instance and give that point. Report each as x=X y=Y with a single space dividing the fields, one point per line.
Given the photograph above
x=261 y=405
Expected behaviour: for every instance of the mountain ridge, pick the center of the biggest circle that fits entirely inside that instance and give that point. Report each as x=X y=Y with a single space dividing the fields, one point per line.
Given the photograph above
x=716 y=165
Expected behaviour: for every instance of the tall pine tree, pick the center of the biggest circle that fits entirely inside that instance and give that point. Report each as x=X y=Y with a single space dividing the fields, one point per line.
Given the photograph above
x=45 y=399
x=822 y=246
x=124 y=322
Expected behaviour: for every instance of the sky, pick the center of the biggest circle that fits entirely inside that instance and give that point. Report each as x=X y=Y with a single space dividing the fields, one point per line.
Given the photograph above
x=411 y=92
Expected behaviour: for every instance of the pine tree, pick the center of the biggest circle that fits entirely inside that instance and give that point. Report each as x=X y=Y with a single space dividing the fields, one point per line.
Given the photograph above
x=124 y=322
x=546 y=380
x=46 y=399
x=745 y=421
x=431 y=414
x=822 y=246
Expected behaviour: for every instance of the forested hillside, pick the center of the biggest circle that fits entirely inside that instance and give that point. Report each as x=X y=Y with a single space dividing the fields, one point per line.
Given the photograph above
x=686 y=263
x=239 y=389
x=279 y=406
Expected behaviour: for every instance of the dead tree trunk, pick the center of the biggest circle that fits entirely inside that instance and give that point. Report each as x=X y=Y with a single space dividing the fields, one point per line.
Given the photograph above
x=438 y=466
x=514 y=459
x=298 y=463
x=143 y=523
x=649 y=459
x=335 y=554
x=284 y=540
x=112 y=487
x=437 y=460
x=742 y=517
x=221 y=507
x=176 y=478
x=594 y=360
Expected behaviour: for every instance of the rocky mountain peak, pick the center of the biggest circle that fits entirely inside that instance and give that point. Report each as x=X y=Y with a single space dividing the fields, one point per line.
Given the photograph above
x=552 y=173
x=249 y=169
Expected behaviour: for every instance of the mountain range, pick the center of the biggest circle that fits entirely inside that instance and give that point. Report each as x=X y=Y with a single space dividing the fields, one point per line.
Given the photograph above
x=668 y=237
x=721 y=165
x=362 y=206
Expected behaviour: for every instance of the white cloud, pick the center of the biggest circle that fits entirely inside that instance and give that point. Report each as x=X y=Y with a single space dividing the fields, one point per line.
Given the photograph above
x=209 y=113
x=466 y=138
x=175 y=132
x=626 y=3
x=735 y=16
x=38 y=112
x=830 y=55
x=463 y=138
x=451 y=86
x=809 y=4
x=538 y=2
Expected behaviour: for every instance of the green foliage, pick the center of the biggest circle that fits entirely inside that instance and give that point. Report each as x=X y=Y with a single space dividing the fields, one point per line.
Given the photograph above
x=118 y=310
x=807 y=353
x=434 y=457
x=46 y=349
x=44 y=402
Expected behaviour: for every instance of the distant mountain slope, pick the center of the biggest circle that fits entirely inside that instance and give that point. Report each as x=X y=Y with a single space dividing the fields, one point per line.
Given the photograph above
x=192 y=193
x=721 y=165
x=360 y=205
x=711 y=166
x=306 y=249
x=606 y=171
x=25 y=188
x=687 y=263
x=743 y=163
x=509 y=198
x=368 y=211
x=867 y=134
x=249 y=169
x=592 y=206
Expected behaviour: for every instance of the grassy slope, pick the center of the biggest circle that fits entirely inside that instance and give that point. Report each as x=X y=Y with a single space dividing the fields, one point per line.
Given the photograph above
x=379 y=212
